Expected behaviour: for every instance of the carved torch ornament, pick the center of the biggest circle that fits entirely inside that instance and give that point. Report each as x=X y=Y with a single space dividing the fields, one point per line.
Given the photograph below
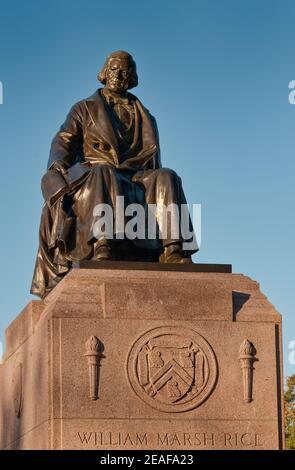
x=94 y=356
x=18 y=388
x=247 y=357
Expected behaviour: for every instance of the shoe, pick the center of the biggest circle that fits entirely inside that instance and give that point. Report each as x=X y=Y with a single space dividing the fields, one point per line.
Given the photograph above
x=173 y=254
x=101 y=251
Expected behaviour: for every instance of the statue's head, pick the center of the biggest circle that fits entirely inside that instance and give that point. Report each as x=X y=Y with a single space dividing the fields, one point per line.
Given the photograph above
x=119 y=72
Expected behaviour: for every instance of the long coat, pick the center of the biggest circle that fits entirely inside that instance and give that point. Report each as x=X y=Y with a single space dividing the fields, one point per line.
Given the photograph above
x=87 y=136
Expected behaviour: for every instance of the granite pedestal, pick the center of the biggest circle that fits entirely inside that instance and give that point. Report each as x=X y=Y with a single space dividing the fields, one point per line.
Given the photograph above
x=144 y=359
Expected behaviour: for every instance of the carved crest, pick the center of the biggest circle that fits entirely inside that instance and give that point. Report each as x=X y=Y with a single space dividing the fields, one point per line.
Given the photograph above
x=172 y=368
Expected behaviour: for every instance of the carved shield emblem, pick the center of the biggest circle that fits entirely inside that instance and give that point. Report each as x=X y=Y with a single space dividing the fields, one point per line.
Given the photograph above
x=172 y=368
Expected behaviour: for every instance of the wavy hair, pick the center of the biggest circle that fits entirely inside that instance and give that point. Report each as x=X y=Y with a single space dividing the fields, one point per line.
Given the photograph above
x=133 y=80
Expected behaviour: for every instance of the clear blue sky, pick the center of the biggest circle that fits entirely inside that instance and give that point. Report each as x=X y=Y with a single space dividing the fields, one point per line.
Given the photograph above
x=215 y=74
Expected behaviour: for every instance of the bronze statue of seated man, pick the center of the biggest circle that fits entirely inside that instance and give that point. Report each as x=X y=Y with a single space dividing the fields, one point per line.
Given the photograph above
x=107 y=148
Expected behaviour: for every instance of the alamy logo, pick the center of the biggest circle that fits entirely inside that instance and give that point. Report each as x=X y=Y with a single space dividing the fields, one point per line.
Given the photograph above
x=292 y=93
x=291 y=356
x=154 y=221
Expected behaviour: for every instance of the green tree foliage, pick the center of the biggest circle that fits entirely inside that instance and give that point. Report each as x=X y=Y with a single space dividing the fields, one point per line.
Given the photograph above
x=289 y=399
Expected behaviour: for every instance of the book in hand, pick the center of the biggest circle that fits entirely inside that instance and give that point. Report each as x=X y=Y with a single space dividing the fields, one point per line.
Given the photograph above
x=55 y=184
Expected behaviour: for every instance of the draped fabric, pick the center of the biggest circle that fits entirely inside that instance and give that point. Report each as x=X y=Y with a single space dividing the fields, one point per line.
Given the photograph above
x=117 y=140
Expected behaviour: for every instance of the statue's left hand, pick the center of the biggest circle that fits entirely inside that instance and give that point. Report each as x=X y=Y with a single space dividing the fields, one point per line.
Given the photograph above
x=60 y=166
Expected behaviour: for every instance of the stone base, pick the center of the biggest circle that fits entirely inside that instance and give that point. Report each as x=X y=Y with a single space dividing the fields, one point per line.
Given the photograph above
x=144 y=359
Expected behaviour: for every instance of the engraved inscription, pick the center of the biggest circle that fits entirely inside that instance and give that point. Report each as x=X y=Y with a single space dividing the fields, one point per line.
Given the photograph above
x=168 y=440
x=113 y=438
x=172 y=368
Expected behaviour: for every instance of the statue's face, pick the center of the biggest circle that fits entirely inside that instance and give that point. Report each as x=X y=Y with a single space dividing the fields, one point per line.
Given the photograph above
x=117 y=76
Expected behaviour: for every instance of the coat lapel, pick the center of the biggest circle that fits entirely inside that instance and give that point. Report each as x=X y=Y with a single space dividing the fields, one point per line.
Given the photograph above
x=101 y=120
x=149 y=137
x=104 y=131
